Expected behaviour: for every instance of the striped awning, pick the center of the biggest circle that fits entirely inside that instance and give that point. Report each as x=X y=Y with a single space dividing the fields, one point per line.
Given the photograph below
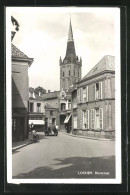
x=36 y=122
x=67 y=118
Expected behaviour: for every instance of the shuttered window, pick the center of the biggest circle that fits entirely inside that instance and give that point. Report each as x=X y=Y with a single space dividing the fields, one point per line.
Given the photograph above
x=92 y=118
x=81 y=95
x=98 y=90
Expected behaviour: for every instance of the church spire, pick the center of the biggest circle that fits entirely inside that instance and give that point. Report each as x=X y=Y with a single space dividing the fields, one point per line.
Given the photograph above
x=70 y=50
x=70 y=35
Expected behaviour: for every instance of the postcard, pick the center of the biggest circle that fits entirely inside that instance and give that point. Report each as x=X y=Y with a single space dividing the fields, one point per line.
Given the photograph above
x=63 y=75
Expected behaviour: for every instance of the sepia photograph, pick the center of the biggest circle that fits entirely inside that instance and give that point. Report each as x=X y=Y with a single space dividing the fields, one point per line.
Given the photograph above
x=63 y=95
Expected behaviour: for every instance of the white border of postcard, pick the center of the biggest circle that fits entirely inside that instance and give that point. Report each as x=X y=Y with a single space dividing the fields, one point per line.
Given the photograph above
x=118 y=178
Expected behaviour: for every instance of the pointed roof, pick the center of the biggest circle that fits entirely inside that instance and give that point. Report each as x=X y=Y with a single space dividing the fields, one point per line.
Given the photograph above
x=70 y=35
x=17 y=53
x=106 y=63
x=70 y=50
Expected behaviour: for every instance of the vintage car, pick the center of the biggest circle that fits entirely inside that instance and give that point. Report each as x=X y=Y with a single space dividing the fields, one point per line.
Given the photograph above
x=51 y=131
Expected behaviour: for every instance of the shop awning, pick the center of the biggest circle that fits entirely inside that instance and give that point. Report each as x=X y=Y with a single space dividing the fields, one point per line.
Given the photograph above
x=37 y=122
x=67 y=118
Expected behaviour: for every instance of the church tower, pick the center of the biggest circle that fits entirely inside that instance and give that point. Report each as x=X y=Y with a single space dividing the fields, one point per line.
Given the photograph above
x=70 y=66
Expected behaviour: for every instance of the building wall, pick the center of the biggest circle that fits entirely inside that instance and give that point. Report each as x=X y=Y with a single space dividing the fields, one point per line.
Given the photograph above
x=35 y=105
x=50 y=117
x=20 y=85
x=19 y=100
x=107 y=103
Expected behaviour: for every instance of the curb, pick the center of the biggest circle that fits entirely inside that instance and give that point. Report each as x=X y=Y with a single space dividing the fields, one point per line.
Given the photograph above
x=85 y=137
x=21 y=146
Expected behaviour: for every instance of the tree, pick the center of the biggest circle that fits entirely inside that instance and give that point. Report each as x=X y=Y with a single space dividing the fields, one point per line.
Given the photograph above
x=39 y=90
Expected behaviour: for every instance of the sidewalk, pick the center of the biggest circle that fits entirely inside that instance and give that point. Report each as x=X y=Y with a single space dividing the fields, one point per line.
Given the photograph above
x=86 y=137
x=19 y=144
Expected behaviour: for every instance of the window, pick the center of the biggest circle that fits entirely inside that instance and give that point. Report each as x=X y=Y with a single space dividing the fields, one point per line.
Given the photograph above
x=63 y=74
x=78 y=73
x=51 y=112
x=80 y=95
x=69 y=72
x=69 y=106
x=98 y=90
x=38 y=107
x=74 y=72
x=63 y=106
x=31 y=107
x=92 y=118
x=75 y=122
x=84 y=119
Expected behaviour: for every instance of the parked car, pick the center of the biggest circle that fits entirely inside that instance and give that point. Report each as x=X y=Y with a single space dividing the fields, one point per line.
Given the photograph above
x=51 y=131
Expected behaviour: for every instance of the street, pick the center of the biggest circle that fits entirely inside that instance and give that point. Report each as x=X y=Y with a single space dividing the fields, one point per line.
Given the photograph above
x=65 y=156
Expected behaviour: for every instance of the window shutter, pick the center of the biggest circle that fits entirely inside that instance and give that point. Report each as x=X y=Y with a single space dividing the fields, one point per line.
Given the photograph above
x=87 y=115
x=95 y=90
x=92 y=118
x=100 y=90
x=78 y=96
x=87 y=93
x=101 y=117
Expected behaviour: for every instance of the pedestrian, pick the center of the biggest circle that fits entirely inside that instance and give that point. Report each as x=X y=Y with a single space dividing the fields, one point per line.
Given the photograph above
x=34 y=134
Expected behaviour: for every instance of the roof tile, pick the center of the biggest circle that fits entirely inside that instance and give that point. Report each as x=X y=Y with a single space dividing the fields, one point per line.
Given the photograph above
x=17 y=53
x=106 y=63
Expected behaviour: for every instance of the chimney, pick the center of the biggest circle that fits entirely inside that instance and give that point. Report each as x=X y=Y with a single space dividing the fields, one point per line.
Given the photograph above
x=49 y=91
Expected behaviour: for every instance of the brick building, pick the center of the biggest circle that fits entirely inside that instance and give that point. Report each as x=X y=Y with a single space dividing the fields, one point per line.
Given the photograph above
x=20 y=97
x=93 y=107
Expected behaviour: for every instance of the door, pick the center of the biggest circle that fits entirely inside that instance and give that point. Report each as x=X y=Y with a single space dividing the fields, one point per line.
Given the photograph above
x=18 y=129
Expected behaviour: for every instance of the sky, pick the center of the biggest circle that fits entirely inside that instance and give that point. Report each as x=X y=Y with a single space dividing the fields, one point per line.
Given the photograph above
x=43 y=35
